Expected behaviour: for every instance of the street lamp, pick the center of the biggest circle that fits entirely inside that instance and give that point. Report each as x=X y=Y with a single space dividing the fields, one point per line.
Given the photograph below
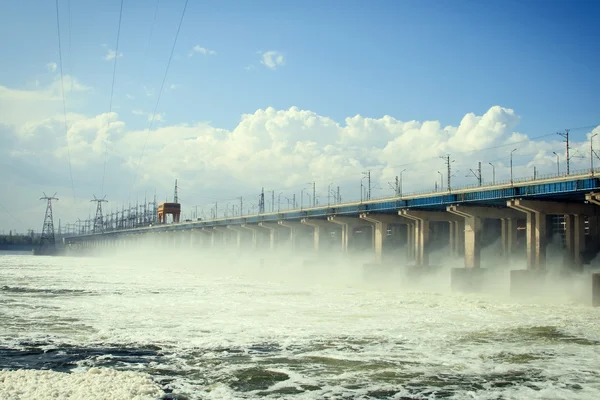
x=592 y=153
x=493 y=174
x=302 y=198
x=361 y=188
x=557 y=163
x=441 y=181
x=400 y=184
x=511 y=166
x=329 y=194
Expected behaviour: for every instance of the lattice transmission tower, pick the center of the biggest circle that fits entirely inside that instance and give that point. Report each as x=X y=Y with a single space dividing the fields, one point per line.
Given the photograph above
x=47 y=240
x=98 y=221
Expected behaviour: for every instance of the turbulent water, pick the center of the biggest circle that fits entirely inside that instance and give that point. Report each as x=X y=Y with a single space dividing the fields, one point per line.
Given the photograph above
x=194 y=326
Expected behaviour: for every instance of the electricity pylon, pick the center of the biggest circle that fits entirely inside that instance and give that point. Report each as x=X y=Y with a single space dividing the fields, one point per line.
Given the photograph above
x=47 y=241
x=98 y=221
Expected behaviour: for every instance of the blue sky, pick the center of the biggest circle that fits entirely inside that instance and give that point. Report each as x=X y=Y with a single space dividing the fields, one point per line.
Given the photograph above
x=409 y=59
x=449 y=61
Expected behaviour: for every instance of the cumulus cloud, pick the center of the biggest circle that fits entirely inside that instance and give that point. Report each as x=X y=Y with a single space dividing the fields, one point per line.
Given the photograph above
x=197 y=49
x=158 y=117
x=270 y=148
x=111 y=54
x=272 y=59
x=51 y=67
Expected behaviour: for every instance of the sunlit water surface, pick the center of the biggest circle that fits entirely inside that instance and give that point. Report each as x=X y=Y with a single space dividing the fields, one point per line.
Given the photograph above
x=197 y=327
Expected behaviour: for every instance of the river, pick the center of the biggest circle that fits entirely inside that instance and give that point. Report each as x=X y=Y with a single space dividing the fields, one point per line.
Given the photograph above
x=203 y=326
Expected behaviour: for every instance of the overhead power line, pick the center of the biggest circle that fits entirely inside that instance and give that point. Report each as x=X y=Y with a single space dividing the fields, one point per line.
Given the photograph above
x=62 y=90
x=112 y=90
x=158 y=99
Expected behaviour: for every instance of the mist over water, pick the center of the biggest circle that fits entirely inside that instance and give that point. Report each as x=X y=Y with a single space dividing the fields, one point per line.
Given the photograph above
x=196 y=324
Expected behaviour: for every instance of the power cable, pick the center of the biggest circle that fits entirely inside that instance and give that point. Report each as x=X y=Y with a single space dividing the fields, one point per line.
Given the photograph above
x=158 y=98
x=112 y=89
x=13 y=217
x=62 y=89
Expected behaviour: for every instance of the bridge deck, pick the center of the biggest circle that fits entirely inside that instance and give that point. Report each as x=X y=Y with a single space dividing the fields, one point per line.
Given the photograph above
x=563 y=188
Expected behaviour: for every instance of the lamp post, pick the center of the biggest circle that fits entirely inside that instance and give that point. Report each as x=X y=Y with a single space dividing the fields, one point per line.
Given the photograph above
x=400 y=184
x=557 y=163
x=441 y=181
x=592 y=153
x=493 y=174
x=329 y=194
x=361 y=188
x=511 y=166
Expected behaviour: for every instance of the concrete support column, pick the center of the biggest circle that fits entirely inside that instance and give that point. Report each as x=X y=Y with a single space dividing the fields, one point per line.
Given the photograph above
x=239 y=232
x=348 y=224
x=273 y=233
x=421 y=220
x=211 y=236
x=380 y=227
x=535 y=212
x=317 y=225
x=575 y=240
x=295 y=228
x=224 y=234
x=256 y=231
x=410 y=241
x=509 y=236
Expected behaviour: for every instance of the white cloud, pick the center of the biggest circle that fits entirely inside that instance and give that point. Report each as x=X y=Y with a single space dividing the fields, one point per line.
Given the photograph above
x=130 y=96
x=174 y=86
x=51 y=67
x=201 y=50
x=280 y=149
x=158 y=117
x=272 y=59
x=111 y=54
x=149 y=92
x=249 y=67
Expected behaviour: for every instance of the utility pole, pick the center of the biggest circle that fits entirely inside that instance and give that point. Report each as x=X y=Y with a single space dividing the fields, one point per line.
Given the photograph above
x=241 y=206
x=534 y=172
x=279 y=202
x=261 y=201
x=47 y=242
x=366 y=175
x=477 y=174
x=511 y=166
x=175 y=197
x=566 y=136
x=592 y=153
x=314 y=197
x=557 y=163
x=339 y=198
x=446 y=158
x=272 y=200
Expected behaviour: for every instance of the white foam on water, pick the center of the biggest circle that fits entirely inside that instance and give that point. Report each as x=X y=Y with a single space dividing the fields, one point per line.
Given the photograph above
x=329 y=326
x=95 y=384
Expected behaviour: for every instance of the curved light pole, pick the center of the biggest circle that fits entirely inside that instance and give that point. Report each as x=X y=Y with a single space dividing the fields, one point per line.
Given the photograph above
x=557 y=163
x=329 y=194
x=441 y=181
x=493 y=174
x=592 y=153
x=511 y=166
x=361 y=188
x=400 y=184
